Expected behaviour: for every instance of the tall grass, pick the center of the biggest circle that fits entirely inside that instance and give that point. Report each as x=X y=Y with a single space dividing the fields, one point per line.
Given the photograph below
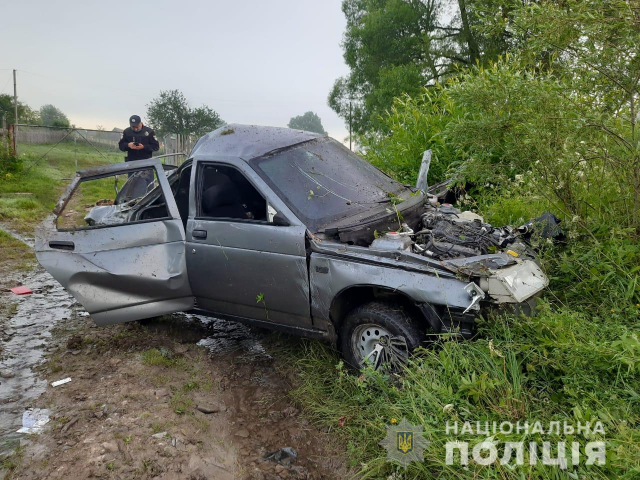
x=558 y=366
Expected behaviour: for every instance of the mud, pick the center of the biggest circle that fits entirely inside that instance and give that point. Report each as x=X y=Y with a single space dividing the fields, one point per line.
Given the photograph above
x=183 y=396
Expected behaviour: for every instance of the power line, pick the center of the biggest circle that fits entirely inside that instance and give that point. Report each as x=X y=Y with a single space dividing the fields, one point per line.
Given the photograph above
x=5 y=85
x=107 y=87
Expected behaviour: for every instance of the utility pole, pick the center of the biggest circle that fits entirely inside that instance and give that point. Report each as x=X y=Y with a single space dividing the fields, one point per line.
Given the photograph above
x=349 y=125
x=15 y=105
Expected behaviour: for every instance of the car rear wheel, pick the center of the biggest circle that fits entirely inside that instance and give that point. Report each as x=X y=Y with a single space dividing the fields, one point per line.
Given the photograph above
x=379 y=334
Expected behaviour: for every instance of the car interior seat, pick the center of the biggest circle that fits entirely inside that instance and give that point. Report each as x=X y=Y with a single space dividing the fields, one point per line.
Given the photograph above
x=223 y=200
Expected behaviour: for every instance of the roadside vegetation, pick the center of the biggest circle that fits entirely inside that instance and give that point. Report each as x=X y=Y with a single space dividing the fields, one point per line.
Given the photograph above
x=548 y=125
x=29 y=193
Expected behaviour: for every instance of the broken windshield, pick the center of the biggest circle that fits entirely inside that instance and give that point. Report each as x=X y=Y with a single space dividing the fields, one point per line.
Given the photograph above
x=322 y=181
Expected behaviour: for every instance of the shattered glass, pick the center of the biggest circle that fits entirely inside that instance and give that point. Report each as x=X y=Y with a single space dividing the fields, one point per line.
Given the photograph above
x=323 y=181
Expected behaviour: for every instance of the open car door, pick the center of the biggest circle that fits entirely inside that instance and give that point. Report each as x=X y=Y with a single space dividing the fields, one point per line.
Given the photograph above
x=121 y=257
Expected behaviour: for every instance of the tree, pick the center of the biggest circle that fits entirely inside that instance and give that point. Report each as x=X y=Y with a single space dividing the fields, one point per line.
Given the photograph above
x=53 y=117
x=171 y=113
x=309 y=122
x=25 y=113
x=396 y=47
x=591 y=45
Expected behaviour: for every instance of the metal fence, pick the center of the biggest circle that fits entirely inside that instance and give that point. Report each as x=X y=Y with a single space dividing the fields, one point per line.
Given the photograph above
x=173 y=147
x=37 y=135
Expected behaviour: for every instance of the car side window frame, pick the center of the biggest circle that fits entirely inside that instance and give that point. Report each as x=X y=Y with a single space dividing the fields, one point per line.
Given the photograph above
x=97 y=227
x=199 y=179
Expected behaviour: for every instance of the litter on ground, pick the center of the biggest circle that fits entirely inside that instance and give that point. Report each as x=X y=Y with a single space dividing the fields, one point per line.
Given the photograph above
x=22 y=290
x=34 y=420
x=61 y=382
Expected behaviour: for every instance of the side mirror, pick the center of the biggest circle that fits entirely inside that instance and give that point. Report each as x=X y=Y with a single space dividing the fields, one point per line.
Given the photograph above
x=280 y=220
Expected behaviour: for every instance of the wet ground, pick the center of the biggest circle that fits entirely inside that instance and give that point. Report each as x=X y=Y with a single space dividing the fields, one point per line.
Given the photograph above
x=24 y=340
x=182 y=396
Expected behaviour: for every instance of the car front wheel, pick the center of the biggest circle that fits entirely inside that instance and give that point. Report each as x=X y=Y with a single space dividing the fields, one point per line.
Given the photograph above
x=379 y=334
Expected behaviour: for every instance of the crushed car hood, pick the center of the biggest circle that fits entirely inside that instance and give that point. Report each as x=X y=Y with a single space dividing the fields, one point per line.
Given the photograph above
x=445 y=242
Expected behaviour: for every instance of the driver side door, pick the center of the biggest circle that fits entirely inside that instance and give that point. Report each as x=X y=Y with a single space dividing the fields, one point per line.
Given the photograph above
x=242 y=265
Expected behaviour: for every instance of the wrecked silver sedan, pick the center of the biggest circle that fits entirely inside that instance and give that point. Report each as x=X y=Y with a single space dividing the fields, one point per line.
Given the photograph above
x=287 y=230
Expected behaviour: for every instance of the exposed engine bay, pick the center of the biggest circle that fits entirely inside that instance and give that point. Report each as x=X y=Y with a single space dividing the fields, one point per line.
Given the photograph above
x=499 y=261
x=447 y=233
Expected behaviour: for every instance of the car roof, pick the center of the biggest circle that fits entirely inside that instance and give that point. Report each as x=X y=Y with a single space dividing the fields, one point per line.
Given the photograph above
x=248 y=141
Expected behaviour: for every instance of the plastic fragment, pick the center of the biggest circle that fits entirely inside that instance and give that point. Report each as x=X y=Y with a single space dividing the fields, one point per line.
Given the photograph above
x=22 y=290
x=61 y=382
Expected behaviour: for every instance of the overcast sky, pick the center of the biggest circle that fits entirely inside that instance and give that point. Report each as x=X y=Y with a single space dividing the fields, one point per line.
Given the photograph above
x=252 y=61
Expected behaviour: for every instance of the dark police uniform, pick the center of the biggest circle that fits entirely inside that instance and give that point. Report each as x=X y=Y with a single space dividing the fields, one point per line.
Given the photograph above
x=146 y=137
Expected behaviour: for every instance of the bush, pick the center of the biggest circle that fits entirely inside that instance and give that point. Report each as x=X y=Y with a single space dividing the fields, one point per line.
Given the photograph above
x=414 y=125
x=9 y=163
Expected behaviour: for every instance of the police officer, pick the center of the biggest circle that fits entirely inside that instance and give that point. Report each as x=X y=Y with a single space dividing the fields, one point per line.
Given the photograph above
x=138 y=141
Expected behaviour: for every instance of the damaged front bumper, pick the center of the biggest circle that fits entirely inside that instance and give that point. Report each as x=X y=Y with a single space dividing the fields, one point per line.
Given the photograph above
x=502 y=277
x=510 y=286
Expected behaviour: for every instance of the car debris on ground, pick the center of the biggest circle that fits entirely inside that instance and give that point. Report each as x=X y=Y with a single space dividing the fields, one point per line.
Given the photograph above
x=284 y=456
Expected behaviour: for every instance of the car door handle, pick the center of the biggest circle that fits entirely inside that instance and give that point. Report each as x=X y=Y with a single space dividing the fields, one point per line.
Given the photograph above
x=59 y=245
x=202 y=234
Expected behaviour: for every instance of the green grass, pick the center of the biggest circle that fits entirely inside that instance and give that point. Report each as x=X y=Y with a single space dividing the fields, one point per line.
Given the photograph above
x=160 y=358
x=15 y=254
x=180 y=402
x=555 y=367
x=45 y=182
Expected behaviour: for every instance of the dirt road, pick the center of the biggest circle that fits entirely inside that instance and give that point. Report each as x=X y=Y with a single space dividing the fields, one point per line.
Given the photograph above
x=170 y=398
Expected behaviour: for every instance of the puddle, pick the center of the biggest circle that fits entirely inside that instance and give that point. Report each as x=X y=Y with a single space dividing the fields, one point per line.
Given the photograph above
x=226 y=337
x=23 y=346
x=219 y=337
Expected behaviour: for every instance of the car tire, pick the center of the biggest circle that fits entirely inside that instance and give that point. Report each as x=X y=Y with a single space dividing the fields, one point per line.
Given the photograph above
x=382 y=332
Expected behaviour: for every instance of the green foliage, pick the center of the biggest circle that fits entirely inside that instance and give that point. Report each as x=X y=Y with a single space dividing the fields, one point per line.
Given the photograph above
x=9 y=163
x=170 y=113
x=309 y=121
x=415 y=124
x=395 y=47
x=557 y=366
x=25 y=113
x=53 y=117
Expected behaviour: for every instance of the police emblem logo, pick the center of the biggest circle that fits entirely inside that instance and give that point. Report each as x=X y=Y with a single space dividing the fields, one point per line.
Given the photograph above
x=146 y=134
x=404 y=443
